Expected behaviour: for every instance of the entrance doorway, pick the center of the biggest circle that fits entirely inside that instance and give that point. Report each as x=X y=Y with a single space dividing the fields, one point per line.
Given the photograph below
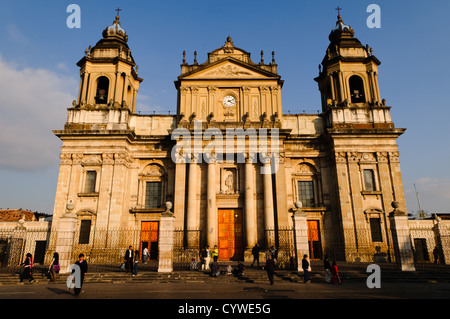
x=230 y=234
x=39 y=251
x=149 y=238
x=421 y=251
x=315 y=246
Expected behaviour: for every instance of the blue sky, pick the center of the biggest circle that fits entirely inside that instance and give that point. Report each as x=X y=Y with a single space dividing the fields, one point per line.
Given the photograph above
x=39 y=77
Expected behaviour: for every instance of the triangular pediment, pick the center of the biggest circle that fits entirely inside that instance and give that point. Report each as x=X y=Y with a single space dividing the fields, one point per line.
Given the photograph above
x=230 y=69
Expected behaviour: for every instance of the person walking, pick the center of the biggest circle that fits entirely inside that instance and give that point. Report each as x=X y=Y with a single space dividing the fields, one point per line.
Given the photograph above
x=305 y=267
x=335 y=272
x=327 y=267
x=83 y=271
x=255 y=253
x=129 y=259
x=28 y=268
x=54 y=267
x=136 y=262
x=274 y=253
x=270 y=267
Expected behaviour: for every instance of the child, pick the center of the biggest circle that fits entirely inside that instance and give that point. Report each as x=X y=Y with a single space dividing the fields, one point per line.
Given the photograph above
x=334 y=271
x=193 y=265
x=136 y=262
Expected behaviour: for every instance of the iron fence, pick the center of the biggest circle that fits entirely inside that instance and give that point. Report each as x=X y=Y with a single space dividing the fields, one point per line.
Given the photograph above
x=104 y=250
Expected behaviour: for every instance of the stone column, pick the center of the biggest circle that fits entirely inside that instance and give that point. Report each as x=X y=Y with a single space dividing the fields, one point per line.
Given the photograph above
x=211 y=208
x=402 y=243
x=341 y=86
x=179 y=190
x=443 y=233
x=250 y=209
x=300 y=234
x=65 y=238
x=269 y=220
x=192 y=216
x=333 y=93
x=165 y=241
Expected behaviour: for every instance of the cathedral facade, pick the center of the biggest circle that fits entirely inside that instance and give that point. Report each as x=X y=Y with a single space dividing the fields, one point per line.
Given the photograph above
x=230 y=165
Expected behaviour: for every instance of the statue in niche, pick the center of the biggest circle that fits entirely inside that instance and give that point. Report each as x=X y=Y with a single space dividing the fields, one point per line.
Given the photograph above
x=229 y=183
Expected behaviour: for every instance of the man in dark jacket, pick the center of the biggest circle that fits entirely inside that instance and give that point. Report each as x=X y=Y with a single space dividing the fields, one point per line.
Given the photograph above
x=270 y=267
x=129 y=259
x=305 y=266
x=255 y=253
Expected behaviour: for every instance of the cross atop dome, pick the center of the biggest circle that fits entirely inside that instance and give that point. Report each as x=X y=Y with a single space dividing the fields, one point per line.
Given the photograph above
x=118 y=11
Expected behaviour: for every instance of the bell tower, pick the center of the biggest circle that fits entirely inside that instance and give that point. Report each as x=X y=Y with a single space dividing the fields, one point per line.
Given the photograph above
x=348 y=81
x=109 y=78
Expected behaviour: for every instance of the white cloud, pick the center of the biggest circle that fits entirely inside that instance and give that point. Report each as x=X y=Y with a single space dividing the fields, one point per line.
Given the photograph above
x=33 y=102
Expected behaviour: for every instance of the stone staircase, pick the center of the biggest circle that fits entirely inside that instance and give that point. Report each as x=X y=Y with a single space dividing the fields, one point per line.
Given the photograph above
x=251 y=275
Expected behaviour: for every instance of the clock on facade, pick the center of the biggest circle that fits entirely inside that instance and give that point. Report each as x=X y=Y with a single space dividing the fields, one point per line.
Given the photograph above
x=229 y=101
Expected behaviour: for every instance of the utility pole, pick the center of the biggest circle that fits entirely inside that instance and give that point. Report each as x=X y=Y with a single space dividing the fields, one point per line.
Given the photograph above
x=421 y=214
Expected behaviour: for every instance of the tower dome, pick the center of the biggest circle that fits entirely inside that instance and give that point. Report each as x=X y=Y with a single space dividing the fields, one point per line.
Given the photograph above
x=341 y=30
x=115 y=31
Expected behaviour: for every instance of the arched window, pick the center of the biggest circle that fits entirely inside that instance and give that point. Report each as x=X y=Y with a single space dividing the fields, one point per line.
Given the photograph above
x=102 y=90
x=306 y=184
x=357 y=89
x=153 y=183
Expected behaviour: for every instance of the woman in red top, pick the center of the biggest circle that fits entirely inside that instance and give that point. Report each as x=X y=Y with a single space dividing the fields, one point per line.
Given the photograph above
x=334 y=271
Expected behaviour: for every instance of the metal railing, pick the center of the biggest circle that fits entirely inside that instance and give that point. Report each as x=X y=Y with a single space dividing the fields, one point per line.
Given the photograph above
x=105 y=249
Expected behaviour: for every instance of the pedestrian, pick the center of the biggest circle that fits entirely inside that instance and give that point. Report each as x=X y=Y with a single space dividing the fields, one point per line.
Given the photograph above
x=215 y=269
x=436 y=255
x=54 y=266
x=335 y=272
x=327 y=267
x=145 y=255
x=229 y=270
x=292 y=263
x=136 y=262
x=215 y=253
x=270 y=267
x=305 y=267
x=193 y=265
x=28 y=268
x=202 y=259
x=83 y=271
x=240 y=269
x=207 y=258
x=255 y=253
x=129 y=259
x=274 y=253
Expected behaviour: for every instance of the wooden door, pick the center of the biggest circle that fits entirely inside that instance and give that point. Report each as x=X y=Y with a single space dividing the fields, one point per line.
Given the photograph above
x=149 y=238
x=230 y=234
x=315 y=246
